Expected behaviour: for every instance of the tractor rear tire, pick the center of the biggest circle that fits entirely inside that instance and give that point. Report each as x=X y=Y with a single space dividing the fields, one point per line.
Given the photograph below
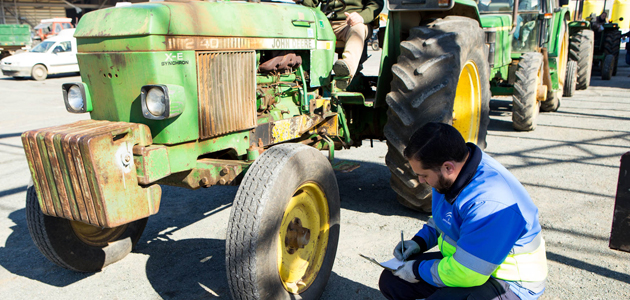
x=525 y=106
x=607 y=67
x=77 y=246
x=612 y=46
x=441 y=76
x=570 y=81
x=284 y=226
x=581 y=50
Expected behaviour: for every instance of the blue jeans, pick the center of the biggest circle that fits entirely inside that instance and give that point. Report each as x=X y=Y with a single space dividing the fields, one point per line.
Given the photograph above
x=394 y=288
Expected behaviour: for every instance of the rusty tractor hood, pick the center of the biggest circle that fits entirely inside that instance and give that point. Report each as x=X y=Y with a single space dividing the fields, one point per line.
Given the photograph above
x=201 y=18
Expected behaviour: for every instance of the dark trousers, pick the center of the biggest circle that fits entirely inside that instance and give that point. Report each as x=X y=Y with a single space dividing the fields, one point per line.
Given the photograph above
x=394 y=288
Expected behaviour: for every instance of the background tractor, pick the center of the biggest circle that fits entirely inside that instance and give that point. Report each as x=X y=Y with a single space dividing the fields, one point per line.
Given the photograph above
x=581 y=46
x=197 y=93
x=529 y=46
x=594 y=42
x=606 y=52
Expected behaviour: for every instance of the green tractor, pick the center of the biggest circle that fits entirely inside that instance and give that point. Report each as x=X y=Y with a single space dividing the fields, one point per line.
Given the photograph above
x=197 y=93
x=607 y=42
x=529 y=46
x=599 y=48
x=581 y=46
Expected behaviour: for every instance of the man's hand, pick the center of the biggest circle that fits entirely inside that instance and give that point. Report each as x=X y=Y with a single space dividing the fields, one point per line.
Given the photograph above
x=353 y=18
x=411 y=248
x=406 y=272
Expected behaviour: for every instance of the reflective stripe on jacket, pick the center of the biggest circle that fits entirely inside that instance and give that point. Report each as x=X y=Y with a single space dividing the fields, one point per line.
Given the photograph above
x=486 y=225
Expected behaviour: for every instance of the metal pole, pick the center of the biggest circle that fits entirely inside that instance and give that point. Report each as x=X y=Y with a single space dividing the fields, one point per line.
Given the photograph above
x=4 y=21
x=17 y=19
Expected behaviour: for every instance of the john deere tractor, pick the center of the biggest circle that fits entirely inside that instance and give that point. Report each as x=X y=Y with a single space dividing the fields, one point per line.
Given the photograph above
x=607 y=42
x=199 y=93
x=528 y=43
x=598 y=47
x=581 y=46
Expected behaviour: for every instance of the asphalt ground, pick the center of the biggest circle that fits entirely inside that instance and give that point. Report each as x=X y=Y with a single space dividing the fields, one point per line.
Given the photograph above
x=569 y=165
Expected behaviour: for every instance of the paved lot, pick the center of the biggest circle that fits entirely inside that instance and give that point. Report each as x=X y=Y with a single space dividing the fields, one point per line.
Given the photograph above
x=569 y=165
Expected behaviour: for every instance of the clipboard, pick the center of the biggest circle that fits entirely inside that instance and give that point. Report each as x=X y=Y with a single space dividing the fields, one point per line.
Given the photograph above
x=386 y=265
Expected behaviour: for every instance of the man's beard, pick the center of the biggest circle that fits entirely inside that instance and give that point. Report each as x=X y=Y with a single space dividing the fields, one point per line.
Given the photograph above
x=444 y=185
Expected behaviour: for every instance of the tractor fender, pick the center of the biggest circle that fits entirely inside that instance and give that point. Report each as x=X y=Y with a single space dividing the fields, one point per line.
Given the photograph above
x=559 y=17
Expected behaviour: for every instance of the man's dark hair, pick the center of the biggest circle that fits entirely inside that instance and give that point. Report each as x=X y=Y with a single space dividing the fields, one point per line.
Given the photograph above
x=435 y=143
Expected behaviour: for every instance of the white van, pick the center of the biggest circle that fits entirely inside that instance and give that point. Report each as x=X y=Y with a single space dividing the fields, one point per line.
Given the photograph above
x=55 y=55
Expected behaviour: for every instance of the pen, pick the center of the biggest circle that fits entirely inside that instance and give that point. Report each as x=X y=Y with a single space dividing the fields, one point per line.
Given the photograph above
x=402 y=244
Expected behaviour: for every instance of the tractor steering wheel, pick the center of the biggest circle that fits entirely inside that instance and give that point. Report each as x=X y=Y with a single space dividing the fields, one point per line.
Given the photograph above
x=330 y=11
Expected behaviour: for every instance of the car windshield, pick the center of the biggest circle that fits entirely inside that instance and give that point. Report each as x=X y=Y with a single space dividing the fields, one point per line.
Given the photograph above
x=42 y=25
x=505 y=6
x=42 y=47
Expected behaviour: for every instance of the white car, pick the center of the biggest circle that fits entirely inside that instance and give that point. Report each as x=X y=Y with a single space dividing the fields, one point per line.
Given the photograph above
x=55 y=55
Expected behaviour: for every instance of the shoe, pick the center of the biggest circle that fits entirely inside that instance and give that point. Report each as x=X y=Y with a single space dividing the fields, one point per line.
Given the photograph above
x=341 y=68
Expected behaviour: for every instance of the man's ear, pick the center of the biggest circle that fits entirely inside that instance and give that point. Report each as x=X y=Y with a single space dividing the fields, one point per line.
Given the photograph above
x=449 y=167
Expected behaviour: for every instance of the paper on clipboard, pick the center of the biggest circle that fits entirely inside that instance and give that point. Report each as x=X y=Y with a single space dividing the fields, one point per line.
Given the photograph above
x=392 y=264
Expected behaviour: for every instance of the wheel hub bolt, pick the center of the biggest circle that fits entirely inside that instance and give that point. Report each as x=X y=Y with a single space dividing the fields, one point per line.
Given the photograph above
x=297 y=236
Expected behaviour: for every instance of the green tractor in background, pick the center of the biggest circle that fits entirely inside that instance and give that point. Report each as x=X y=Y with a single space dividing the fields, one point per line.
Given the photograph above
x=599 y=48
x=198 y=93
x=607 y=43
x=529 y=46
x=581 y=46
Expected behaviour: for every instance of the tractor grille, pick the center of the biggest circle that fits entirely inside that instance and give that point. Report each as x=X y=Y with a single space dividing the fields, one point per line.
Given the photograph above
x=227 y=91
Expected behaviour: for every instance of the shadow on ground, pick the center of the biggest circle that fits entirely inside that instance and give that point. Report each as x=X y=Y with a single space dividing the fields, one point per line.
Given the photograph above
x=194 y=268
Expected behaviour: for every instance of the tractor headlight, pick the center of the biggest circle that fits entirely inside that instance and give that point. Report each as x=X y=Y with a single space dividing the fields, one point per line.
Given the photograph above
x=77 y=98
x=162 y=101
x=156 y=101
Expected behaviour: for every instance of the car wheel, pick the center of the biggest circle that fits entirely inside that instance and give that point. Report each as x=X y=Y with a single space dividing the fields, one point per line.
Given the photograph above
x=39 y=72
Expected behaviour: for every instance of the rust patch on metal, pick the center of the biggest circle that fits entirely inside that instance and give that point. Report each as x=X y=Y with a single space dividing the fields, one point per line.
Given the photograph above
x=118 y=60
x=297 y=236
x=281 y=61
x=81 y=173
x=227 y=92
x=176 y=43
x=209 y=172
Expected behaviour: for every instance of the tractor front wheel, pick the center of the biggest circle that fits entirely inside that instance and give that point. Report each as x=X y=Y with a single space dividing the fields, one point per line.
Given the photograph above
x=571 y=79
x=612 y=41
x=581 y=51
x=525 y=105
x=77 y=246
x=608 y=67
x=441 y=76
x=284 y=226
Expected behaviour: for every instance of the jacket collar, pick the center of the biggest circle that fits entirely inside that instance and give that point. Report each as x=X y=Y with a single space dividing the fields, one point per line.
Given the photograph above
x=466 y=174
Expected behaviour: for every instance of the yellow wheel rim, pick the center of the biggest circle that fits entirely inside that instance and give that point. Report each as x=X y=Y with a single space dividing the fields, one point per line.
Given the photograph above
x=467 y=104
x=303 y=238
x=96 y=236
x=563 y=57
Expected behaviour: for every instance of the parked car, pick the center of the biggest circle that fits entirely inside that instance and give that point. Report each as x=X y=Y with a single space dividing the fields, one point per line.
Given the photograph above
x=50 y=27
x=53 y=56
